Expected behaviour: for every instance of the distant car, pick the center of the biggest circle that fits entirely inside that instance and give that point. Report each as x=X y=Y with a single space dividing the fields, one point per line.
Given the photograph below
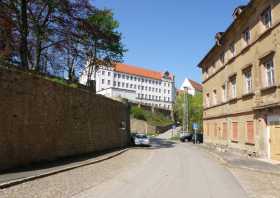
x=197 y=138
x=141 y=140
x=186 y=136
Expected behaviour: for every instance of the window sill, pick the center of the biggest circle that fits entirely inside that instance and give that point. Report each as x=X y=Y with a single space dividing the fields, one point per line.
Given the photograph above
x=247 y=95
x=270 y=88
x=234 y=141
x=250 y=143
x=232 y=100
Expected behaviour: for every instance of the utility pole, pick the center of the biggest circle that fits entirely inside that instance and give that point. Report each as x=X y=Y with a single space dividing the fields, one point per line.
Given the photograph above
x=186 y=111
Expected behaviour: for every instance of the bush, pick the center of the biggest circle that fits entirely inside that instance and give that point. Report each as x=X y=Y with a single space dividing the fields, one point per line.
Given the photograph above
x=138 y=113
x=155 y=119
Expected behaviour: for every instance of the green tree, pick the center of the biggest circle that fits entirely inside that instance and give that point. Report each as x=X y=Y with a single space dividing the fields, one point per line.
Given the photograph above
x=103 y=46
x=195 y=104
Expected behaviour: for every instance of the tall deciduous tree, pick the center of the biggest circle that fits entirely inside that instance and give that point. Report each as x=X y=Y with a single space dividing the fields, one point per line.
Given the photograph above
x=59 y=35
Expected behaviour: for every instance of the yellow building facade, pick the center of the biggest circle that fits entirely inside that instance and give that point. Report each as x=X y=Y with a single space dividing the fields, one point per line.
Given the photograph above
x=241 y=82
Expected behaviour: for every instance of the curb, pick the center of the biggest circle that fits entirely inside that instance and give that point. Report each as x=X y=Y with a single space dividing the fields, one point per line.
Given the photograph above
x=31 y=178
x=229 y=165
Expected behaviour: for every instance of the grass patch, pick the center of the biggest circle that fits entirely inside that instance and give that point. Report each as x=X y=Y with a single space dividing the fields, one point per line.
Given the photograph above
x=152 y=134
x=155 y=119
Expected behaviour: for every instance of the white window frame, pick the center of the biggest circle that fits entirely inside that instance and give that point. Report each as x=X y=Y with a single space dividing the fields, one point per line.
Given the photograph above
x=269 y=73
x=247 y=36
x=266 y=17
x=248 y=81
x=233 y=88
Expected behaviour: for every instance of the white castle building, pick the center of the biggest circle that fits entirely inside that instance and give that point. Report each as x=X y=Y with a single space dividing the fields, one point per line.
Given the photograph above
x=136 y=84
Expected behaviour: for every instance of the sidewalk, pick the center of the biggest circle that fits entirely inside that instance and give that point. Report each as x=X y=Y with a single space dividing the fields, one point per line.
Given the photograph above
x=35 y=171
x=237 y=161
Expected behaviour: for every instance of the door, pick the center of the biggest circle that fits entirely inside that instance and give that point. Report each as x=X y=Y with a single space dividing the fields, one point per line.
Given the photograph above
x=275 y=142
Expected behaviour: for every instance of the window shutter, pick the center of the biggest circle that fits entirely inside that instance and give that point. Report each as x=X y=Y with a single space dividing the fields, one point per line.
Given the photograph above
x=215 y=130
x=250 y=132
x=235 y=131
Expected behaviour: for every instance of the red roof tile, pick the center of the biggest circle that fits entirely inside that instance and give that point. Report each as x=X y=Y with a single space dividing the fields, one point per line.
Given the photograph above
x=196 y=86
x=138 y=71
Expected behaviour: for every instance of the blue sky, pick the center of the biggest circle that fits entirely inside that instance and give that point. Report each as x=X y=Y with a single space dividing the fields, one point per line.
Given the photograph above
x=171 y=35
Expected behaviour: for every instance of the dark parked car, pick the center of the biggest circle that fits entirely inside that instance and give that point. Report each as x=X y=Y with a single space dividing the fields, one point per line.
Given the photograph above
x=186 y=136
x=197 y=138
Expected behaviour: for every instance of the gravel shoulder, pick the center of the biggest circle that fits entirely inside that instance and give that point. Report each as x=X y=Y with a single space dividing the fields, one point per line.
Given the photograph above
x=67 y=184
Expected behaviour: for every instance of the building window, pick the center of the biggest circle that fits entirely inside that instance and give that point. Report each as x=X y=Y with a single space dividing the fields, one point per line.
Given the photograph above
x=109 y=73
x=134 y=86
x=215 y=97
x=232 y=49
x=114 y=83
x=131 y=86
x=269 y=73
x=250 y=132
x=103 y=72
x=235 y=131
x=168 y=91
x=127 y=85
x=115 y=75
x=222 y=58
x=248 y=81
x=103 y=81
x=159 y=98
x=247 y=36
x=159 y=90
x=266 y=18
x=108 y=82
x=224 y=93
x=122 y=84
x=123 y=76
x=119 y=76
x=119 y=84
x=233 y=87
x=207 y=101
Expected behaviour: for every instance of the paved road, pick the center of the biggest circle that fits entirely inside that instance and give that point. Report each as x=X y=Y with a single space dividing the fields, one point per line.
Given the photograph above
x=170 y=170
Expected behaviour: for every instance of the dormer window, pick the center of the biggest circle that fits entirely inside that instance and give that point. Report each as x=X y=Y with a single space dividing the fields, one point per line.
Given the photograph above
x=266 y=18
x=218 y=38
x=238 y=11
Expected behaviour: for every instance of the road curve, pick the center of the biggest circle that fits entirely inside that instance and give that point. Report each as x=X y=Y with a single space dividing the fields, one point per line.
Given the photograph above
x=171 y=171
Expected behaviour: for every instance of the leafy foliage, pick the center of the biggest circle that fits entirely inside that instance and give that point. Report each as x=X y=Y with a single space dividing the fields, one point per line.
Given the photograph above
x=153 y=118
x=57 y=36
x=195 y=104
